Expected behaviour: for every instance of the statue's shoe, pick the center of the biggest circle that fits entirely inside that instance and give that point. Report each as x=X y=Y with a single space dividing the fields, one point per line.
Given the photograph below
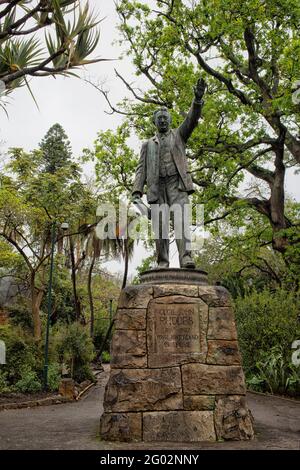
x=188 y=263
x=163 y=265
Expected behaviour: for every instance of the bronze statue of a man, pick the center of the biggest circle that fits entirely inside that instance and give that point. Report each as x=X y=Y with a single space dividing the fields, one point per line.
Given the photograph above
x=163 y=168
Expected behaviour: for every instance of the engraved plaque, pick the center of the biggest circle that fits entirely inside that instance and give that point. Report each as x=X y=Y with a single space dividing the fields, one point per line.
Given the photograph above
x=176 y=330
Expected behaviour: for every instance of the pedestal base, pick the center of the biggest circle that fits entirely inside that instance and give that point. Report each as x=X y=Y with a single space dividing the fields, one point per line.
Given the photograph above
x=176 y=370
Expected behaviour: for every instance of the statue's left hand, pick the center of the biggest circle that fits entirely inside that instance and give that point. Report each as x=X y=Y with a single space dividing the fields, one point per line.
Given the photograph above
x=199 y=89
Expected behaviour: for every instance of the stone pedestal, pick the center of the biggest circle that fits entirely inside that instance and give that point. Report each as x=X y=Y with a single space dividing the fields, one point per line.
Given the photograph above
x=176 y=370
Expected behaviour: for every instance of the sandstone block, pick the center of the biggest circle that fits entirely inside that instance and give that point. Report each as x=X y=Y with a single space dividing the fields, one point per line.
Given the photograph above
x=223 y=352
x=179 y=426
x=124 y=427
x=131 y=319
x=233 y=420
x=129 y=349
x=175 y=289
x=212 y=380
x=135 y=297
x=215 y=296
x=221 y=324
x=199 y=402
x=144 y=389
x=67 y=388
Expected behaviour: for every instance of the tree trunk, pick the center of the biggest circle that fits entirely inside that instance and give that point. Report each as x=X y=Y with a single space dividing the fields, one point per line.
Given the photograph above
x=73 y=274
x=278 y=219
x=90 y=292
x=126 y=257
x=36 y=300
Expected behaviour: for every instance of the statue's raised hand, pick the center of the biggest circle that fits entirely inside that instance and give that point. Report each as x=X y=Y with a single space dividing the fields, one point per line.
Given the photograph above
x=199 y=89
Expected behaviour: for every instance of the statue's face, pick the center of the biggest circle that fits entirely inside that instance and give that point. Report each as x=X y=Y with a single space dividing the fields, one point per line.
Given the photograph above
x=162 y=122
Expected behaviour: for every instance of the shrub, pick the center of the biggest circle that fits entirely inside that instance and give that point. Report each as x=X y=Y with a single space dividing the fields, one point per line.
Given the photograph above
x=275 y=374
x=54 y=376
x=266 y=320
x=29 y=382
x=100 y=331
x=4 y=385
x=84 y=372
x=21 y=352
x=75 y=348
x=105 y=357
x=20 y=314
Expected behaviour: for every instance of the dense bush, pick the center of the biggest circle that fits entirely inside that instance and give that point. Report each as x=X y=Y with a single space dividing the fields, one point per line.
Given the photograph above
x=21 y=352
x=23 y=370
x=100 y=333
x=20 y=314
x=4 y=385
x=267 y=321
x=29 y=382
x=75 y=348
x=54 y=376
x=276 y=374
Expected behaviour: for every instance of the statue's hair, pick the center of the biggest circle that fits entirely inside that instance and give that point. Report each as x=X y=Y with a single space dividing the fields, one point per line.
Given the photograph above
x=161 y=110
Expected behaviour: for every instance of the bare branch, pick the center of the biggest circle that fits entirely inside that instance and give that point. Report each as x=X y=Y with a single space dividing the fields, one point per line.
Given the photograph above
x=140 y=98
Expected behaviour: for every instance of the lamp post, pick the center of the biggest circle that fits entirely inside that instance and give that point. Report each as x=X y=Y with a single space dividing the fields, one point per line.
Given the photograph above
x=64 y=226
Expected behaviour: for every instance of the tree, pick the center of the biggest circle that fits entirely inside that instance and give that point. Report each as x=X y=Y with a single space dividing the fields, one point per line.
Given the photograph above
x=248 y=54
x=31 y=200
x=23 y=55
x=56 y=148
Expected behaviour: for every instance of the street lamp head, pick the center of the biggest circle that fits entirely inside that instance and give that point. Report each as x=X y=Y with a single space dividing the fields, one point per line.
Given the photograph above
x=65 y=226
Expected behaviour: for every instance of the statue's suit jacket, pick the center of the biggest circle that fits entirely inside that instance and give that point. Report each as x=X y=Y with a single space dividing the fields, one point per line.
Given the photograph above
x=148 y=167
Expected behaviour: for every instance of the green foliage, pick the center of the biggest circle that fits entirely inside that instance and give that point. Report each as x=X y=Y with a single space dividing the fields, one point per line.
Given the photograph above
x=4 y=385
x=105 y=357
x=54 y=376
x=115 y=161
x=242 y=260
x=62 y=296
x=75 y=348
x=84 y=372
x=56 y=149
x=101 y=327
x=145 y=265
x=41 y=187
x=20 y=314
x=25 y=361
x=248 y=55
x=275 y=374
x=266 y=320
x=22 y=353
x=29 y=382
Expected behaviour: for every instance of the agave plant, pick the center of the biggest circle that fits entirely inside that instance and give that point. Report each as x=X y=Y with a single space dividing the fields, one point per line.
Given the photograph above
x=71 y=36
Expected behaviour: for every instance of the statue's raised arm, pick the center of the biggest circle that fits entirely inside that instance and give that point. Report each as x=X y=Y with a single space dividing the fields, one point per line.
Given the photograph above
x=194 y=113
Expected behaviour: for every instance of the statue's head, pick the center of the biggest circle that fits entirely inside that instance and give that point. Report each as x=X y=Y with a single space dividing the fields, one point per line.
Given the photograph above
x=162 y=119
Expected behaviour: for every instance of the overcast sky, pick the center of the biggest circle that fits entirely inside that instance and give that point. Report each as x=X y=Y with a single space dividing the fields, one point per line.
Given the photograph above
x=77 y=106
